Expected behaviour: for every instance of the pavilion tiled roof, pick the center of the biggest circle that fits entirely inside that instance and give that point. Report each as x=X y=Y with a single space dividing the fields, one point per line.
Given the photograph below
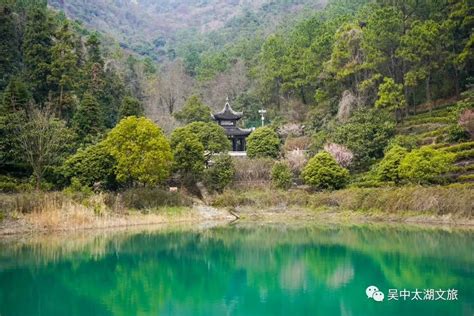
x=227 y=113
x=237 y=131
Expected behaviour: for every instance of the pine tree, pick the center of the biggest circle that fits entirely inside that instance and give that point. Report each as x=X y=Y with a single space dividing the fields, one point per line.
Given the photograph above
x=94 y=65
x=88 y=119
x=422 y=47
x=37 y=52
x=130 y=106
x=9 y=46
x=93 y=49
x=63 y=68
x=15 y=97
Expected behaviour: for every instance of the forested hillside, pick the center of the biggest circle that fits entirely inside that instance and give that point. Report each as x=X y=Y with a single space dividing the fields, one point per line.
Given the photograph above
x=345 y=77
x=158 y=28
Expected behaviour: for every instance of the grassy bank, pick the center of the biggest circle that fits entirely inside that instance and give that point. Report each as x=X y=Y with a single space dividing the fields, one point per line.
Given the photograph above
x=60 y=211
x=454 y=201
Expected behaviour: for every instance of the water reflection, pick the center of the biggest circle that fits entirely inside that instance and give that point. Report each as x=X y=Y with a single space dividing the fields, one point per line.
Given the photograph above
x=244 y=269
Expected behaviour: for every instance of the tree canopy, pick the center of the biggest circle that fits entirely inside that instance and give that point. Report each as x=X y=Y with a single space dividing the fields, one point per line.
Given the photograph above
x=142 y=152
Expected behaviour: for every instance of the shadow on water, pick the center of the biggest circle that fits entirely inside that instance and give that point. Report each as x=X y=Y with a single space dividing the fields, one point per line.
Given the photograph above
x=240 y=269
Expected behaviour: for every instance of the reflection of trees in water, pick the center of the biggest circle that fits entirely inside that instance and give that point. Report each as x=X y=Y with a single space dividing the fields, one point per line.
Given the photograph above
x=224 y=267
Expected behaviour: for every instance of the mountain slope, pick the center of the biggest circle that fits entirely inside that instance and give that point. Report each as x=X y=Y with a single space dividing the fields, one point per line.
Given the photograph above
x=152 y=27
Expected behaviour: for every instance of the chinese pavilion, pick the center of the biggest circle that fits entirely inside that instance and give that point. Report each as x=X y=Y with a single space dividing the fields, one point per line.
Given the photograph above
x=227 y=118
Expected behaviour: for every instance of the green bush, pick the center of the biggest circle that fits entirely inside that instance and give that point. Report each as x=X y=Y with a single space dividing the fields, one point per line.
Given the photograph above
x=366 y=134
x=220 y=173
x=456 y=133
x=77 y=190
x=263 y=142
x=13 y=185
x=388 y=168
x=408 y=142
x=211 y=136
x=281 y=175
x=323 y=172
x=425 y=165
x=188 y=154
x=91 y=165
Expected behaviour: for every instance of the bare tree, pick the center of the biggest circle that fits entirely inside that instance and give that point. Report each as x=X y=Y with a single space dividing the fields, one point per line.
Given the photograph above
x=41 y=140
x=173 y=86
x=229 y=84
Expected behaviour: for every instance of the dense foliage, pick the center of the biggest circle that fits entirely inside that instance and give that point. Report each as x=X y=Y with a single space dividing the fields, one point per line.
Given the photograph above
x=366 y=134
x=194 y=111
x=142 y=152
x=220 y=174
x=211 y=136
x=425 y=165
x=263 y=142
x=349 y=76
x=282 y=177
x=130 y=107
x=91 y=166
x=388 y=168
x=323 y=172
x=188 y=154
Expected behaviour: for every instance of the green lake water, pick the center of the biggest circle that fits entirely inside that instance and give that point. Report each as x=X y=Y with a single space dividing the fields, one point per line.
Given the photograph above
x=241 y=269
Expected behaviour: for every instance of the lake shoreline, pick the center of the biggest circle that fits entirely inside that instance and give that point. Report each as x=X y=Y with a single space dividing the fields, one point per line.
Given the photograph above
x=202 y=214
x=56 y=211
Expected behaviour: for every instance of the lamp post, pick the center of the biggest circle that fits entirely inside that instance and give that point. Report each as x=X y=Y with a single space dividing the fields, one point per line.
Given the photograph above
x=262 y=112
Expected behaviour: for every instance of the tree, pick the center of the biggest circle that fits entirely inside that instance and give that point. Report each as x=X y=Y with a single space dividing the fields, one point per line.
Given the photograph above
x=188 y=154
x=211 y=136
x=94 y=66
x=15 y=97
x=88 y=119
x=458 y=27
x=134 y=76
x=270 y=72
x=130 y=107
x=93 y=49
x=347 y=56
x=42 y=140
x=37 y=52
x=263 y=142
x=340 y=153
x=9 y=46
x=142 y=152
x=194 y=111
x=13 y=113
x=390 y=95
x=422 y=48
x=220 y=173
x=366 y=134
x=425 y=165
x=388 y=168
x=63 y=67
x=173 y=86
x=91 y=165
x=281 y=175
x=323 y=172
x=381 y=39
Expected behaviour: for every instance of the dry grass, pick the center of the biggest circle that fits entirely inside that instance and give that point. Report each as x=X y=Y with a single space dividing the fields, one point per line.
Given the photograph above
x=56 y=211
x=253 y=170
x=436 y=200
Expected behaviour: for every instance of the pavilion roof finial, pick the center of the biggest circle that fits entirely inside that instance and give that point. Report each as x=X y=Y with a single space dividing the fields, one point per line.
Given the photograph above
x=227 y=112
